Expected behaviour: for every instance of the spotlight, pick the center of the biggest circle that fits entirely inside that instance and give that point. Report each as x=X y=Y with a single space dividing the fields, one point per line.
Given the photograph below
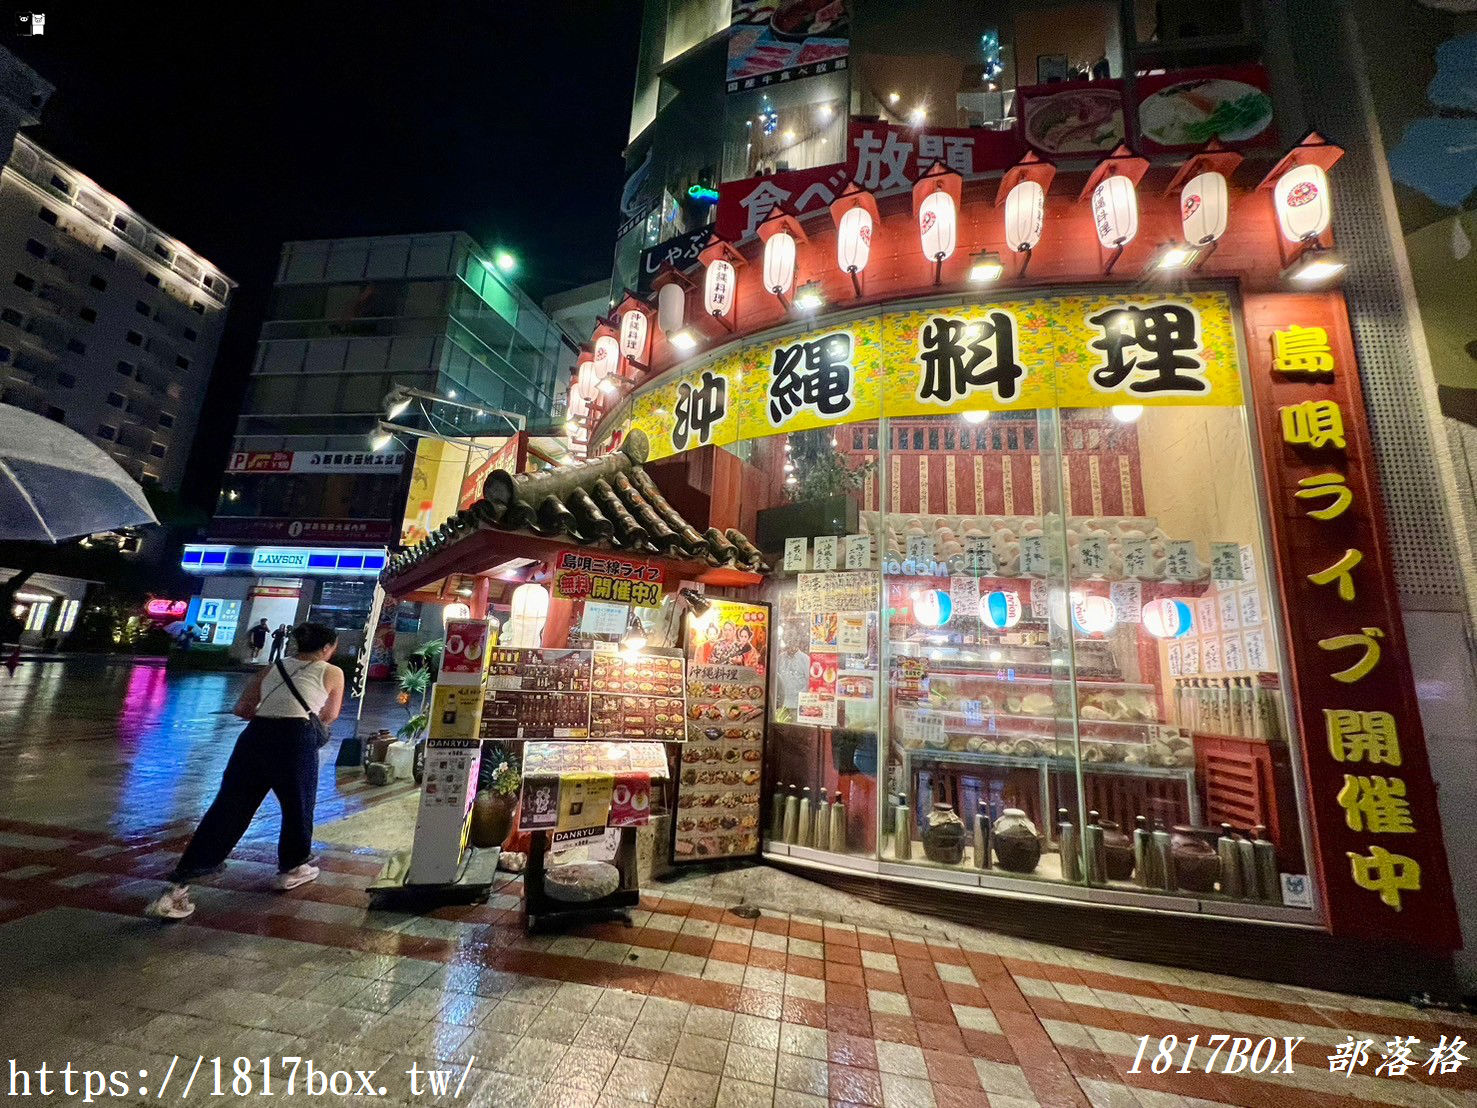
x=381 y=439
x=810 y=298
x=1315 y=267
x=1127 y=413
x=1175 y=255
x=985 y=267
x=683 y=340
x=977 y=416
x=695 y=601
x=505 y=261
x=634 y=640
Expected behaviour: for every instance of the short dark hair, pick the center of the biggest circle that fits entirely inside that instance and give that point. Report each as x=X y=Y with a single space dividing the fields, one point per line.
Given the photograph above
x=313 y=637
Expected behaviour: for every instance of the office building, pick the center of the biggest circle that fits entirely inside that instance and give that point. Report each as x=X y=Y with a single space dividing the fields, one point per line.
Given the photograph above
x=313 y=497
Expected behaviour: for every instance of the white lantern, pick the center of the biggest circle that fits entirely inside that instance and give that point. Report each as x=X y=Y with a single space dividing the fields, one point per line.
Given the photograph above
x=607 y=358
x=779 y=262
x=578 y=406
x=671 y=308
x=932 y=608
x=1025 y=209
x=586 y=381
x=1093 y=615
x=1205 y=208
x=634 y=325
x=938 y=225
x=526 y=624
x=1167 y=619
x=854 y=240
x=456 y=610
x=1115 y=211
x=719 y=286
x=1304 y=207
x=1000 y=610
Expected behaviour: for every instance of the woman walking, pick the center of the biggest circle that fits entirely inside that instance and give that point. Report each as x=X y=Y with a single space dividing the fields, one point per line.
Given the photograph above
x=278 y=752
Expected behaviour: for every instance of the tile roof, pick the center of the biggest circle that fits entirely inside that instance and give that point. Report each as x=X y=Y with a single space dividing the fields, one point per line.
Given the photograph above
x=610 y=502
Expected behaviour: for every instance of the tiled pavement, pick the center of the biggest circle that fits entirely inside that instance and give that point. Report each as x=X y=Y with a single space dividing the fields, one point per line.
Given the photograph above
x=690 y=1005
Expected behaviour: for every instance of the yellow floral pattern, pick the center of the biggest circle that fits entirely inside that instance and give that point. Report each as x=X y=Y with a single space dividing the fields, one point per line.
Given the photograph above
x=1053 y=345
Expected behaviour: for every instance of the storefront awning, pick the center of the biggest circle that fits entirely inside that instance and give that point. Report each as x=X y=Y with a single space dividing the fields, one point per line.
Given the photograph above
x=610 y=503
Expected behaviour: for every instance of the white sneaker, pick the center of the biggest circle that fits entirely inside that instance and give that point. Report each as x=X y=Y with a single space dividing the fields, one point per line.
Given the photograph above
x=298 y=876
x=174 y=904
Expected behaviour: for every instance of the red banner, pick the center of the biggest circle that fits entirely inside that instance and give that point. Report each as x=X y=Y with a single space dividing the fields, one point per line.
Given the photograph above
x=1184 y=110
x=884 y=158
x=1383 y=868
x=742 y=205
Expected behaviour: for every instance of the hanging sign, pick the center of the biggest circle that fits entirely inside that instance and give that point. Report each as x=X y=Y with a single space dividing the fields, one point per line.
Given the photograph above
x=579 y=575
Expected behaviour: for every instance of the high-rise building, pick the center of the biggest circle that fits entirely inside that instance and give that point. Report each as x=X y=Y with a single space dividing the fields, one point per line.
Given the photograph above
x=313 y=496
x=107 y=324
x=921 y=290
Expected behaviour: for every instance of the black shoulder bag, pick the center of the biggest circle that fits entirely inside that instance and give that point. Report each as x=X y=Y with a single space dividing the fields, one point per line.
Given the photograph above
x=317 y=729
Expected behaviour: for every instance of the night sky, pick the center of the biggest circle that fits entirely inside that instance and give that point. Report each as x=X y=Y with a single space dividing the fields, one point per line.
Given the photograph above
x=236 y=131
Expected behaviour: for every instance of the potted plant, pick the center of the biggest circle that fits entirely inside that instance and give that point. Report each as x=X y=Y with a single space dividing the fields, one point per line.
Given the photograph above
x=498 y=782
x=415 y=679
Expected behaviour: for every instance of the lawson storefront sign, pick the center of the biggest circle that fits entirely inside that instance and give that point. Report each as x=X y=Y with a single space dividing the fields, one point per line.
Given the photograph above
x=273 y=560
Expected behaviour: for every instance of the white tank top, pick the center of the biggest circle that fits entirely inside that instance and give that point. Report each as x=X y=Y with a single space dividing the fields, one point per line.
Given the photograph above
x=277 y=700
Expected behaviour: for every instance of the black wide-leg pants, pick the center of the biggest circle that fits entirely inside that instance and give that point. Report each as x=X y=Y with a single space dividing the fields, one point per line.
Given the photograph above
x=271 y=755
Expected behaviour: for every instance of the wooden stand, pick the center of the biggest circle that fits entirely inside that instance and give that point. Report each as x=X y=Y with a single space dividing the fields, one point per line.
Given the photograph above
x=540 y=909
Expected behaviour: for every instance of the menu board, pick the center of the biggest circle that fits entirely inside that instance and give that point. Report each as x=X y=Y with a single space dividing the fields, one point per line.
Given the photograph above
x=722 y=764
x=637 y=697
x=577 y=694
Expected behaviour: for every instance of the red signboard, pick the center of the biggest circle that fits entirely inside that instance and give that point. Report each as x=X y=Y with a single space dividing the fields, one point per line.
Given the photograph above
x=581 y=575
x=884 y=158
x=509 y=458
x=464 y=660
x=1185 y=109
x=328 y=531
x=742 y=205
x=1383 y=867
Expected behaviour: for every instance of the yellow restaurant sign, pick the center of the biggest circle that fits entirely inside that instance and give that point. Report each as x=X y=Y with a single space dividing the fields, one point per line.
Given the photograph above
x=1080 y=351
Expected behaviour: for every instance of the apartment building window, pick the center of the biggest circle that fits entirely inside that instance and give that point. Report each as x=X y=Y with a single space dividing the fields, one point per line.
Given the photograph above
x=125 y=368
x=46 y=215
x=166 y=420
x=61 y=184
x=99 y=282
x=66 y=380
x=106 y=432
x=134 y=338
x=117 y=399
x=140 y=307
x=198 y=307
x=151 y=279
x=87 y=315
x=25 y=282
x=108 y=252
x=35 y=249
x=11 y=316
x=158 y=449
x=120 y=222
x=76 y=346
x=182 y=362
x=189 y=333
x=162 y=251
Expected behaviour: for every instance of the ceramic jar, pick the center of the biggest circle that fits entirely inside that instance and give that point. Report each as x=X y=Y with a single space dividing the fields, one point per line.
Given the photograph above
x=1119 y=849
x=492 y=819
x=1017 y=843
x=943 y=836
x=1197 y=867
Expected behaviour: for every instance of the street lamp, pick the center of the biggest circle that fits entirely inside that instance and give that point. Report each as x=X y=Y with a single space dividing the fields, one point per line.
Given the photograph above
x=505 y=261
